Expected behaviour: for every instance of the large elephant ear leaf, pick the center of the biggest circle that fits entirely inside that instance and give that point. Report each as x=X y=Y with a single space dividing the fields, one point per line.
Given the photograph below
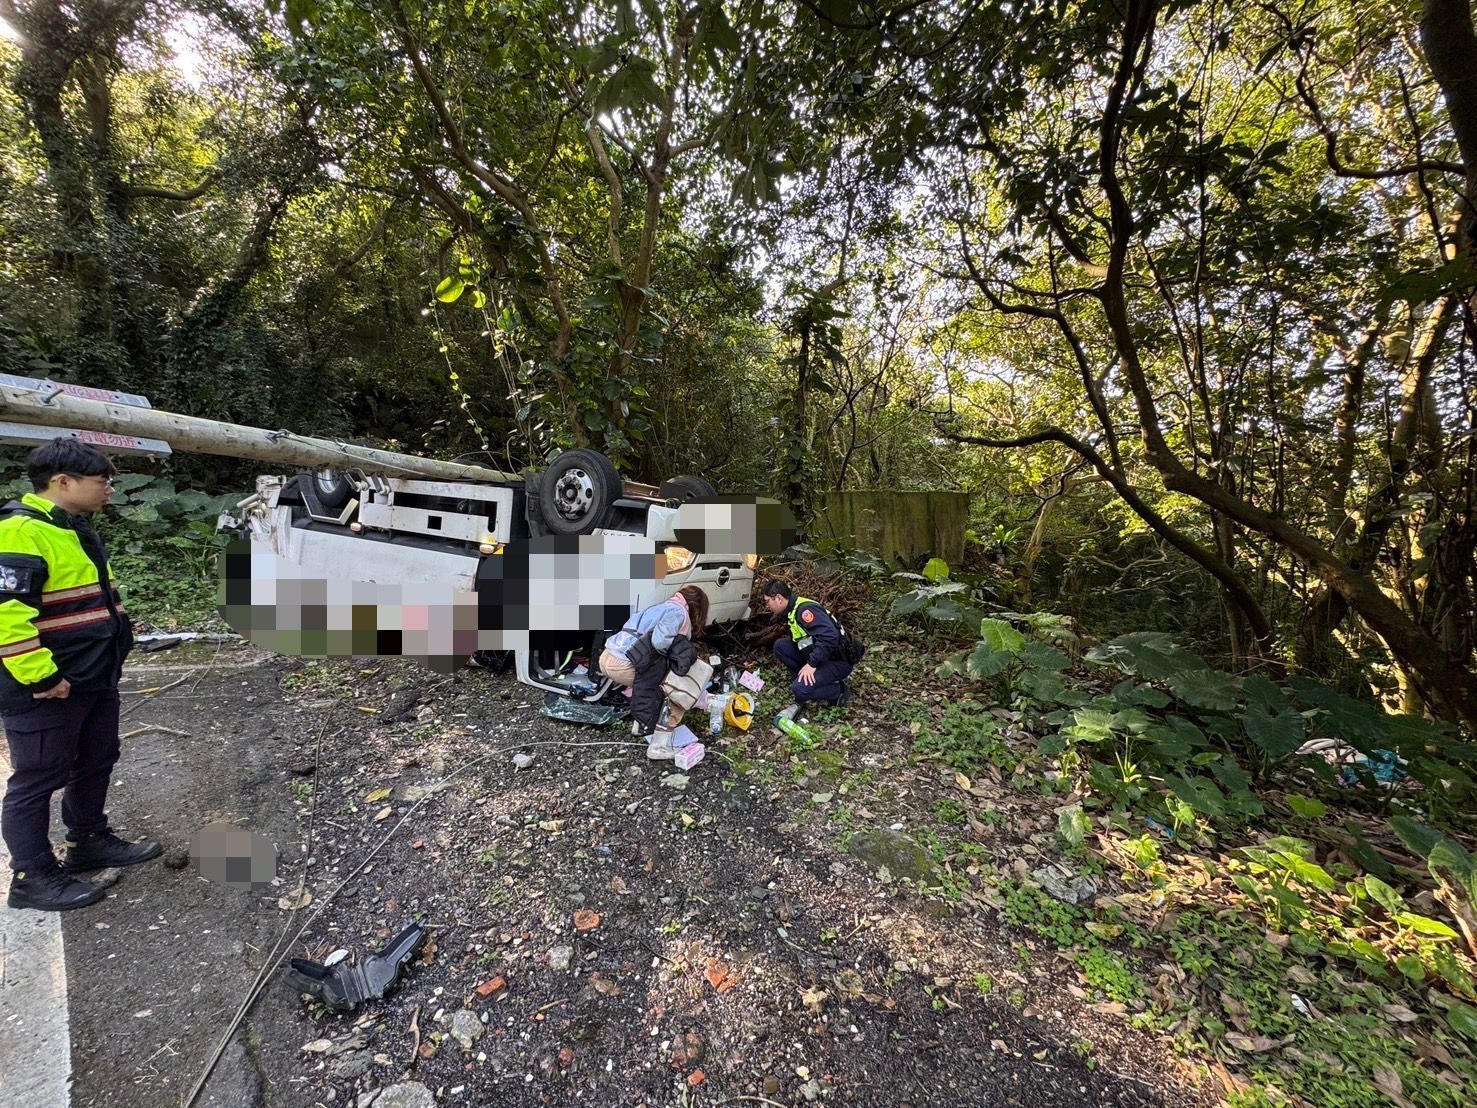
x=1418 y=838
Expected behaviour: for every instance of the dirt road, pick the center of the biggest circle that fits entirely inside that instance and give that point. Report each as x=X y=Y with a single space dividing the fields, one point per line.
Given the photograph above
x=601 y=932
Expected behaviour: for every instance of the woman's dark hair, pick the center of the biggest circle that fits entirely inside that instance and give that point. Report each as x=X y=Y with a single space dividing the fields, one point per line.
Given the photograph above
x=67 y=456
x=779 y=588
x=697 y=608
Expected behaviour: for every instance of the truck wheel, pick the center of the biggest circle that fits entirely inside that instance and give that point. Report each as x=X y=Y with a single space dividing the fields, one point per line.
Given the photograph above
x=576 y=491
x=331 y=487
x=686 y=488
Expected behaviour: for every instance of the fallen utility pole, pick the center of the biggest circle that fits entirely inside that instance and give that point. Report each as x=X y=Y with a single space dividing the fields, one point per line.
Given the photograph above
x=53 y=407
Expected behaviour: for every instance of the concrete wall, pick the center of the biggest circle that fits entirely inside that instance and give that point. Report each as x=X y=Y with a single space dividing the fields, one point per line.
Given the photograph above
x=897 y=526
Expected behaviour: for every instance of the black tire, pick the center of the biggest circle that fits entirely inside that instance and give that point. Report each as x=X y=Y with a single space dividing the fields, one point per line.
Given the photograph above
x=330 y=487
x=576 y=492
x=685 y=488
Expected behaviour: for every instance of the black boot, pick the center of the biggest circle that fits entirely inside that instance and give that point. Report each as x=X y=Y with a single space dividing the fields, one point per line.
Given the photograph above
x=51 y=891
x=106 y=849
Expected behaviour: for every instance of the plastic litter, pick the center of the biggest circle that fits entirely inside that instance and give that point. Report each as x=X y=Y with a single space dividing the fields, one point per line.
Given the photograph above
x=1384 y=764
x=580 y=711
x=795 y=731
x=344 y=987
x=717 y=706
x=751 y=681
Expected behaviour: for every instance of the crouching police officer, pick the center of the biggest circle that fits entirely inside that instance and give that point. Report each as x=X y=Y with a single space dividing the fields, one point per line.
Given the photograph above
x=818 y=654
x=63 y=638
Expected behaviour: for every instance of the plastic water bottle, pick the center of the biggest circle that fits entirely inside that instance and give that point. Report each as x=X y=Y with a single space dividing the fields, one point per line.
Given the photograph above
x=717 y=705
x=795 y=731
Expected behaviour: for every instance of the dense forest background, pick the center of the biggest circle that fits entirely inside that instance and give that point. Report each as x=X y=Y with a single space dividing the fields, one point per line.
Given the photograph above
x=1181 y=292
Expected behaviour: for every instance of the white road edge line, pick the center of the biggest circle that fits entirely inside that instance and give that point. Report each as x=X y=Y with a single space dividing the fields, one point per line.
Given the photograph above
x=35 y=1031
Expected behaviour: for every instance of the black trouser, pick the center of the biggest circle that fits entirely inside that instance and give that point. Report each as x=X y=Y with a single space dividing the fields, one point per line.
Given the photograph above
x=828 y=675
x=69 y=744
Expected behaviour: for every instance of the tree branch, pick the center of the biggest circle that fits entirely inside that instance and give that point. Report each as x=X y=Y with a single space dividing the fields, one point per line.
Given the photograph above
x=501 y=186
x=1331 y=144
x=158 y=192
x=1079 y=353
x=1234 y=586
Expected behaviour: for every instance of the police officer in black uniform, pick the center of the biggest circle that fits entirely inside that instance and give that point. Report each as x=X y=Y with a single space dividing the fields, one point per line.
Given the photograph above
x=63 y=638
x=816 y=654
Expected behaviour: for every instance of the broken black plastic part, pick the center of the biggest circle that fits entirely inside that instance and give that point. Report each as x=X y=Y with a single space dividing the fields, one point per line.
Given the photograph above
x=345 y=987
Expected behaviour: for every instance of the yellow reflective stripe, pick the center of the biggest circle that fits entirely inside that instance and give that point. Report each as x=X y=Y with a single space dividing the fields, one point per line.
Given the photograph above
x=73 y=619
x=56 y=596
x=10 y=650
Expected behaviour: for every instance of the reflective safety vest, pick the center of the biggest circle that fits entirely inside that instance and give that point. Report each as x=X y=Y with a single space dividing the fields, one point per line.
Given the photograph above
x=798 y=633
x=60 y=613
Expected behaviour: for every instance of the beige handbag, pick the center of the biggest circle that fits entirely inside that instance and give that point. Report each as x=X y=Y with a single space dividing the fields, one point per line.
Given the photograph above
x=684 y=691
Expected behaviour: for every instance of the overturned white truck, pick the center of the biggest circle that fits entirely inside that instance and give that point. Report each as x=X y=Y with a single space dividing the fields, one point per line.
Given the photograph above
x=361 y=516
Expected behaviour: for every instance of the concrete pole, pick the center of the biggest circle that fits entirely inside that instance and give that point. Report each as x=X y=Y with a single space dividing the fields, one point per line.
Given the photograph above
x=190 y=434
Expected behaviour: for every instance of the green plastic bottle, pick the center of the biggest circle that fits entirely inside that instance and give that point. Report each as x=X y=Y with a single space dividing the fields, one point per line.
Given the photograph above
x=795 y=731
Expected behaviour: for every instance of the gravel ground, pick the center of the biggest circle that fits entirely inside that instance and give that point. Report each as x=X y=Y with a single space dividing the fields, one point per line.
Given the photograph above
x=600 y=932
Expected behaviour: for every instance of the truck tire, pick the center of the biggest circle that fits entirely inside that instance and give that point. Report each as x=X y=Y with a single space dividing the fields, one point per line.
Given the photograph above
x=685 y=488
x=576 y=492
x=331 y=487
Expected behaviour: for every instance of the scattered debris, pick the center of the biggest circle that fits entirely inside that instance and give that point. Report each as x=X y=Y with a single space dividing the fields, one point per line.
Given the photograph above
x=407 y=1094
x=720 y=975
x=579 y=711
x=493 y=986
x=586 y=920
x=522 y=760
x=343 y=987
x=689 y=756
x=414 y=794
x=466 y=1028
x=154 y=643
x=299 y=898
x=561 y=958
x=1062 y=883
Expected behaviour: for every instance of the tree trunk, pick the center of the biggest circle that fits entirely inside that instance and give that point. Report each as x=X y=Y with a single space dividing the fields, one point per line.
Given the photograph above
x=1443 y=681
x=1450 y=44
x=50 y=50
x=797 y=492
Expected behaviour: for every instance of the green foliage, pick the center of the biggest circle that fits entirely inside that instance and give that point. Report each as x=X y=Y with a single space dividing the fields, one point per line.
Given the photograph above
x=1073 y=825
x=163 y=546
x=1212 y=738
x=935 y=571
x=1016 y=669
x=832 y=558
x=1337 y=1053
x=1036 y=911
x=966 y=737
x=1452 y=867
x=949 y=811
x=1109 y=973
